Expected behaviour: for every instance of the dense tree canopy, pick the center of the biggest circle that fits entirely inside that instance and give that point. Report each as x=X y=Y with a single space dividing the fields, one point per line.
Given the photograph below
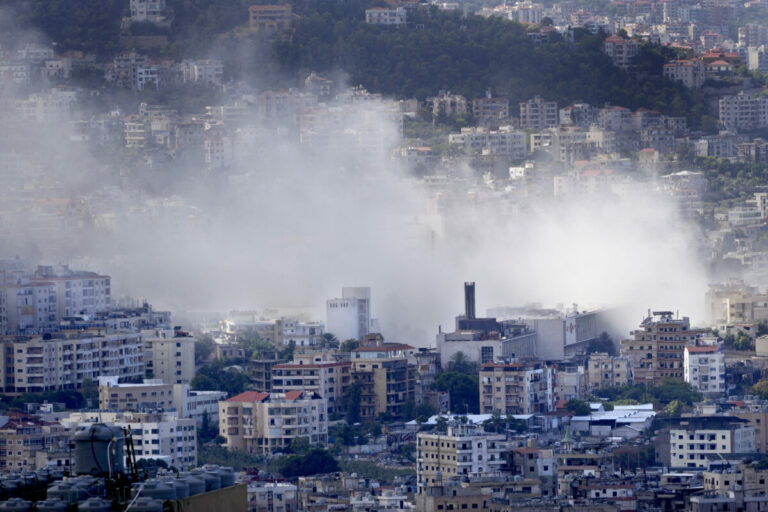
x=463 y=389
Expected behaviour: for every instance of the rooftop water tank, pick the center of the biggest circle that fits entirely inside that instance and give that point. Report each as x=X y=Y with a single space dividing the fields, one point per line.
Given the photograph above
x=52 y=506
x=97 y=448
x=94 y=505
x=147 y=505
x=17 y=505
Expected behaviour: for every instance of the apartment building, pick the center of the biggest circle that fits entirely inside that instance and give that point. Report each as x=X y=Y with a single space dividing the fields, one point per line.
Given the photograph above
x=479 y=140
x=349 y=317
x=384 y=16
x=156 y=435
x=33 y=364
x=538 y=114
x=516 y=388
x=169 y=355
x=22 y=436
x=745 y=476
x=696 y=440
x=272 y=497
x=689 y=72
x=147 y=11
x=656 y=350
x=464 y=450
x=387 y=379
x=447 y=104
x=606 y=371
x=270 y=19
x=30 y=306
x=743 y=111
x=156 y=395
x=621 y=51
x=736 y=303
x=704 y=369
x=265 y=423
x=329 y=379
x=489 y=110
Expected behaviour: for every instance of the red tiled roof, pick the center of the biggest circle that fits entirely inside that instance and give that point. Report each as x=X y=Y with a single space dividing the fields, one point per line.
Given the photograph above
x=701 y=349
x=384 y=348
x=249 y=396
x=294 y=395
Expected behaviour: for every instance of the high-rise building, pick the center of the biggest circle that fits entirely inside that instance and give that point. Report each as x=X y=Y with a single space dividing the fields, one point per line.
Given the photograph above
x=349 y=317
x=386 y=377
x=656 y=349
x=169 y=355
x=516 y=388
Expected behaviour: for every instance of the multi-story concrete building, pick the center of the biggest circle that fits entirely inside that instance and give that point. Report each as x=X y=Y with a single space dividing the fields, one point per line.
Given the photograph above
x=265 y=423
x=77 y=292
x=689 y=72
x=484 y=340
x=329 y=379
x=753 y=34
x=478 y=140
x=349 y=317
x=156 y=435
x=756 y=414
x=272 y=497
x=30 y=306
x=490 y=110
x=464 y=450
x=655 y=351
x=743 y=111
x=155 y=395
x=387 y=379
x=621 y=51
x=148 y=11
x=697 y=439
x=579 y=114
x=704 y=369
x=169 y=355
x=606 y=371
x=270 y=19
x=33 y=364
x=516 y=388
x=386 y=16
x=538 y=114
x=23 y=436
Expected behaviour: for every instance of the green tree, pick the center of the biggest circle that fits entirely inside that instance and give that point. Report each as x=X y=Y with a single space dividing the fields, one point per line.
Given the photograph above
x=330 y=341
x=495 y=423
x=316 y=461
x=441 y=425
x=204 y=347
x=351 y=402
x=90 y=391
x=578 y=407
x=300 y=445
x=463 y=390
x=460 y=363
x=349 y=345
x=761 y=389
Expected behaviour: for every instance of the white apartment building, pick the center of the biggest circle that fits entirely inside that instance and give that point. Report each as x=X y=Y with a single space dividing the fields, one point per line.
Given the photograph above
x=349 y=317
x=77 y=292
x=516 y=388
x=705 y=369
x=169 y=355
x=64 y=360
x=148 y=11
x=697 y=439
x=464 y=450
x=757 y=58
x=482 y=141
x=327 y=379
x=265 y=423
x=272 y=497
x=743 y=112
x=205 y=71
x=385 y=16
x=29 y=305
x=164 y=436
x=690 y=73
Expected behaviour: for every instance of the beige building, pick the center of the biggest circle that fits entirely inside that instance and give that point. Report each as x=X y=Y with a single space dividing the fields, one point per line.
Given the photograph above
x=77 y=292
x=464 y=450
x=757 y=417
x=387 y=379
x=270 y=19
x=23 y=436
x=656 y=350
x=169 y=355
x=64 y=360
x=516 y=388
x=608 y=371
x=621 y=51
x=745 y=477
x=329 y=379
x=538 y=114
x=264 y=423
